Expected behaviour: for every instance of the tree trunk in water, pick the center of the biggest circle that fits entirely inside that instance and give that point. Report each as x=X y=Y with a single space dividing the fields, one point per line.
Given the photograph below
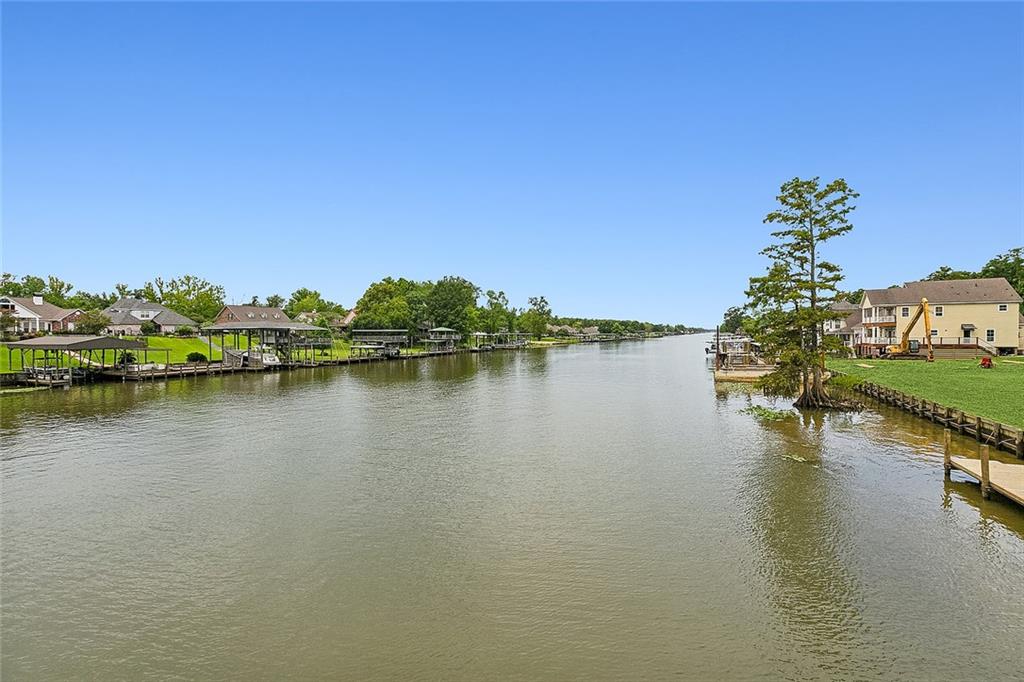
x=814 y=394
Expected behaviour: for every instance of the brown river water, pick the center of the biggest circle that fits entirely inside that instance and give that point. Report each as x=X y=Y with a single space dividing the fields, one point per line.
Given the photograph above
x=598 y=512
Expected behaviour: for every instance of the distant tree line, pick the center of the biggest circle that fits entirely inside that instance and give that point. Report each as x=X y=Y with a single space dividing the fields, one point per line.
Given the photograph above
x=451 y=301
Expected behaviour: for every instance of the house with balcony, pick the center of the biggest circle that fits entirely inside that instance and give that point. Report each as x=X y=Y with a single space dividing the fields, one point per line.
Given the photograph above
x=967 y=314
x=32 y=314
x=844 y=327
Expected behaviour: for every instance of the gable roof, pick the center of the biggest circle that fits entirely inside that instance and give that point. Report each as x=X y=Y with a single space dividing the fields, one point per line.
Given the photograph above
x=119 y=312
x=46 y=311
x=257 y=317
x=843 y=305
x=991 y=290
x=855 y=318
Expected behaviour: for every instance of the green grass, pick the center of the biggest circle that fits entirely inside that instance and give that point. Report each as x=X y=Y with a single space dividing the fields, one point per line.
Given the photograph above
x=996 y=393
x=179 y=349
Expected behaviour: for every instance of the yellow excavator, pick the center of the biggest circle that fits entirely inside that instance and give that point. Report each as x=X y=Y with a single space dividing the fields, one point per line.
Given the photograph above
x=907 y=348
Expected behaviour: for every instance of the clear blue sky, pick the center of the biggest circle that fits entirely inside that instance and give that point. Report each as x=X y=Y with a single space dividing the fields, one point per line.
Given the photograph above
x=616 y=158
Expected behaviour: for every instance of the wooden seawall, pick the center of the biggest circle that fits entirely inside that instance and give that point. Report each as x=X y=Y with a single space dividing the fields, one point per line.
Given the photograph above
x=986 y=431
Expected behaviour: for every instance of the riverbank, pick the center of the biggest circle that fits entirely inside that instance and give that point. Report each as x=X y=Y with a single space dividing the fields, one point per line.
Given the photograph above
x=996 y=394
x=174 y=351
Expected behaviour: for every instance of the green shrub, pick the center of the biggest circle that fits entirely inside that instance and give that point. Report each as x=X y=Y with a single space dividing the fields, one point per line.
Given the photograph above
x=149 y=328
x=844 y=381
x=195 y=356
x=184 y=330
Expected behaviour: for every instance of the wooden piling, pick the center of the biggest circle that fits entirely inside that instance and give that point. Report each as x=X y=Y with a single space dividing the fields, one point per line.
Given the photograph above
x=947 y=452
x=986 y=481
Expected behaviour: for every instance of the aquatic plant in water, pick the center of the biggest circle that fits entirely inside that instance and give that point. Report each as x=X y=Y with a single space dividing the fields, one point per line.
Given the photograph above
x=766 y=413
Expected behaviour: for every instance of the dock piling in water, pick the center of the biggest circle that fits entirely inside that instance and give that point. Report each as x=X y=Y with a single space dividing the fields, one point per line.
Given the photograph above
x=947 y=464
x=986 y=483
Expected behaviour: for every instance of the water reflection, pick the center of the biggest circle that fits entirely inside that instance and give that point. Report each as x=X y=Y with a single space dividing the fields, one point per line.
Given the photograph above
x=798 y=511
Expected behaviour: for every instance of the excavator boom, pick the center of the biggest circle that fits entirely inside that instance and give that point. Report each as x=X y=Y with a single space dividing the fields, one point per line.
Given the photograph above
x=904 y=346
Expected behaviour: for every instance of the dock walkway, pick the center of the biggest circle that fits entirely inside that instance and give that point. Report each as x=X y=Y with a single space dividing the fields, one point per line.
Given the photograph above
x=1005 y=479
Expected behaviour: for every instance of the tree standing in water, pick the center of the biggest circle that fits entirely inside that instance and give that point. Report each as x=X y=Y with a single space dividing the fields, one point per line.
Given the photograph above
x=792 y=301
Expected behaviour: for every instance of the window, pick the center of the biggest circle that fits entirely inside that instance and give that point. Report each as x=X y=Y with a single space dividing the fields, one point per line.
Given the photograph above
x=905 y=311
x=1002 y=307
x=935 y=332
x=938 y=311
x=990 y=335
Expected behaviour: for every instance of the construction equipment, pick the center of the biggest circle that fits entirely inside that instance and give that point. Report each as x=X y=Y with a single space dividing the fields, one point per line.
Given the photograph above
x=907 y=348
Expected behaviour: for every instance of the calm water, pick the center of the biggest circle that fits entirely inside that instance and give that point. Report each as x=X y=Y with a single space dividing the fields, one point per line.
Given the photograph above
x=593 y=512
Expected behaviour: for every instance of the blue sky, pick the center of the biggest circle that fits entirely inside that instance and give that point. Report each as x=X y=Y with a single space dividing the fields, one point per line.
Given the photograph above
x=616 y=158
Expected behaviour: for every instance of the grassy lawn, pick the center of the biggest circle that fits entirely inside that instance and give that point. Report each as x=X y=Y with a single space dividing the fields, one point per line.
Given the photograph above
x=11 y=365
x=179 y=347
x=996 y=393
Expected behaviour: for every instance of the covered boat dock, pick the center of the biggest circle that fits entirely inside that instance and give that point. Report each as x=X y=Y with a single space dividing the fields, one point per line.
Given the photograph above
x=61 y=360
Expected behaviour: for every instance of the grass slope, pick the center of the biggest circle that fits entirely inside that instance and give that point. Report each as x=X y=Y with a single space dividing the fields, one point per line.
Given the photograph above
x=996 y=393
x=179 y=348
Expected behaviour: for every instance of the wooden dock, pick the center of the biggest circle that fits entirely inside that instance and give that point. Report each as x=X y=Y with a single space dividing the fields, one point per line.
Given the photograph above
x=1005 y=479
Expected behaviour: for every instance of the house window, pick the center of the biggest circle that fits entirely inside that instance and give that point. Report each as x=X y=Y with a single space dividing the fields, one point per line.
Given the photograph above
x=1002 y=307
x=990 y=335
x=935 y=332
x=938 y=311
x=905 y=311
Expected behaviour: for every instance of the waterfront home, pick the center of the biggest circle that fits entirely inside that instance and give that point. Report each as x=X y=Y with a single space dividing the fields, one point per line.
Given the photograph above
x=973 y=313
x=251 y=315
x=844 y=327
x=33 y=314
x=127 y=316
x=335 y=321
x=350 y=317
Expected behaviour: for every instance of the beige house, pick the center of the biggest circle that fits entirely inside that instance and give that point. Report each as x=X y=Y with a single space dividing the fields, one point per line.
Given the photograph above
x=979 y=313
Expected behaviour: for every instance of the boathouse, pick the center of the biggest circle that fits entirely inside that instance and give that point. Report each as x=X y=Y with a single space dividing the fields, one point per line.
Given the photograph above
x=272 y=338
x=378 y=342
x=441 y=339
x=61 y=360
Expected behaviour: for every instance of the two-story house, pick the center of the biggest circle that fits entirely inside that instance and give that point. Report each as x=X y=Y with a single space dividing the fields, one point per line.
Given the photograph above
x=982 y=313
x=844 y=327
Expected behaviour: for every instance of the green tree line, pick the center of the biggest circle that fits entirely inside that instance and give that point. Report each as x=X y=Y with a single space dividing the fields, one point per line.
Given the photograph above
x=390 y=303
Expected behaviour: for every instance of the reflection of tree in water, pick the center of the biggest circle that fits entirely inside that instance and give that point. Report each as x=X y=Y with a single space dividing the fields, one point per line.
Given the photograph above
x=803 y=552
